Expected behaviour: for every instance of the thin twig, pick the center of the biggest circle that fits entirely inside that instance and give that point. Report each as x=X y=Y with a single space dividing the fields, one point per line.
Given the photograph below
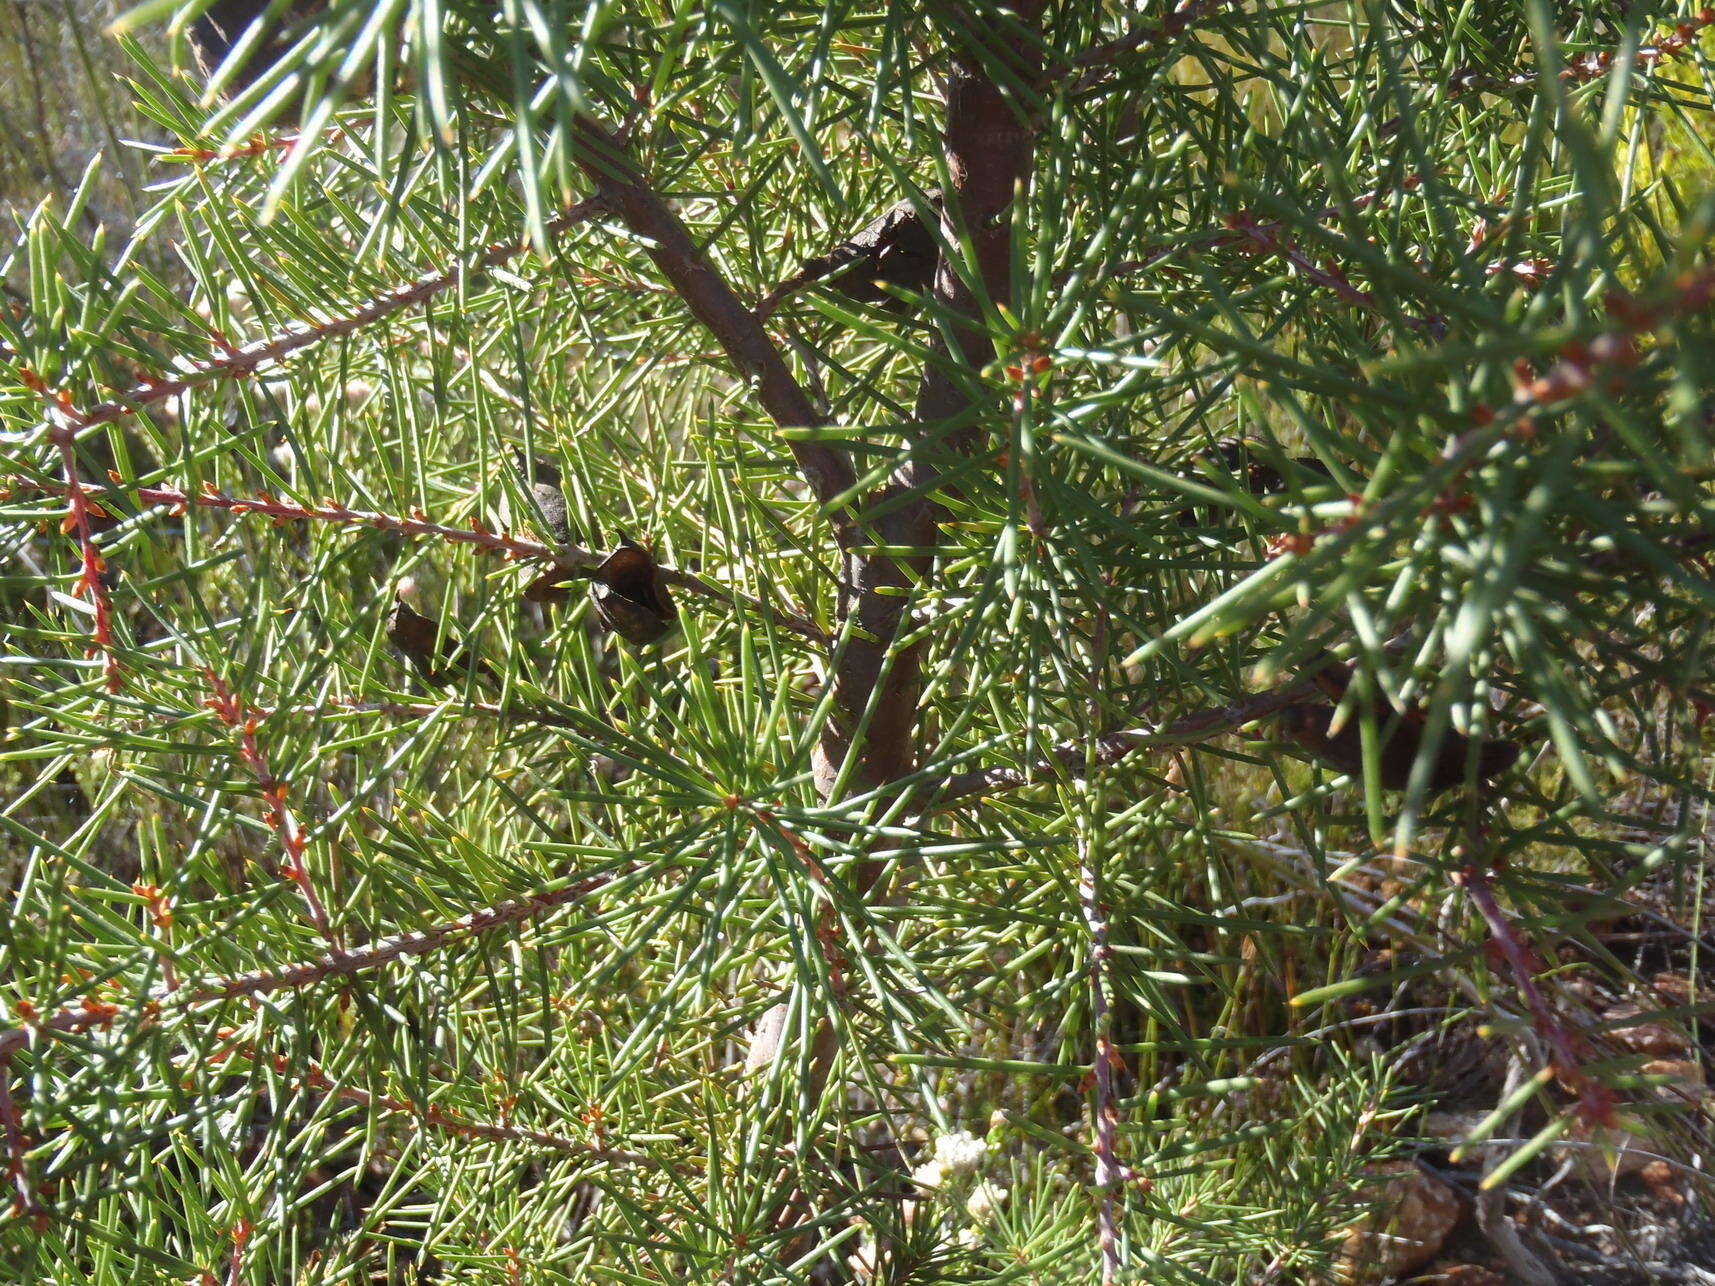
x=623 y=189
x=93 y=1014
x=1327 y=274
x=422 y=710
x=1088 y=66
x=1069 y=760
x=1587 y=67
x=161 y=915
x=1581 y=363
x=827 y=931
x=240 y=1239
x=332 y=511
x=241 y=360
x=1244 y=229
x=788 y=621
x=64 y=423
x=1595 y=1101
x=434 y=1115
x=25 y=1202
x=257 y=145
x=1231 y=233
x=293 y=840
x=572 y=558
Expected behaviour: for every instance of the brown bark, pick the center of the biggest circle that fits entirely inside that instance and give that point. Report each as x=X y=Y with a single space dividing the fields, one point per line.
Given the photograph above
x=990 y=145
x=991 y=148
x=713 y=302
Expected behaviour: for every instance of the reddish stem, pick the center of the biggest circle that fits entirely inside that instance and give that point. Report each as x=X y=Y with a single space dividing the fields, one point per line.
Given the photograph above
x=240 y=1238
x=452 y=1123
x=64 y=423
x=255 y=147
x=570 y=557
x=293 y=840
x=1595 y=1102
x=237 y=361
x=418 y=524
x=93 y=1014
x=25 y=1202
x=161 y=914
x=314 y=1078
x=1590 y=66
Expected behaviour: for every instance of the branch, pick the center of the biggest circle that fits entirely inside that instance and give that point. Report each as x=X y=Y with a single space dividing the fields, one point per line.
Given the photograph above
x=93 y=1013
x=452 y=1123
x=1072 y=759
x=1327 y=274
x=417 y=710
x=1595 y=1101
x=1102 y=1072
x=571 y=558
x=1586 y=67
x=622 y=188
x=1241 y=222
x=161 y=916
x=420 y=710
x=1103 y=1109
x=798 y=625
x=1614 y=350
x=293 y=841
x=331 y=511
x=1244 y=230
x=64 y=423
x=1089 y=66
x=92 y=573
x=241 y=360
x=25 y=1202
x=990 y=144
x=875 y=683
x=257 y=145
x=240 y=1238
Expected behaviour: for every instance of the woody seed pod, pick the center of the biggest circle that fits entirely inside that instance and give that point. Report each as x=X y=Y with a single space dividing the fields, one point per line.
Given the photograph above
x=631 y=595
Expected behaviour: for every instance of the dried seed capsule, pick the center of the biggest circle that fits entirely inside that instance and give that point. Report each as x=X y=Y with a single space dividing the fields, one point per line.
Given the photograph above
x=550 y=586
x=1309 y=727
x=542 y=480
x=1241 y=458
x=897 y=249
x=631 y=595
x=438 y=659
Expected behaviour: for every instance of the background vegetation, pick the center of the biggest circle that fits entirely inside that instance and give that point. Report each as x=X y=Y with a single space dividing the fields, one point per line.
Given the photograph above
x=949 y=898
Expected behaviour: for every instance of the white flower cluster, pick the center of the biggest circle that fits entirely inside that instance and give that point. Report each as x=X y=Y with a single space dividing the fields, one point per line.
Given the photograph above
x=956 y=1161
x=960 y=1154
x=957 y=1156
x=985 y=1199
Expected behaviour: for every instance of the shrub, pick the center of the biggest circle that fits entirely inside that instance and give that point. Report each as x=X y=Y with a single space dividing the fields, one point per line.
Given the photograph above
x=526 y=766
